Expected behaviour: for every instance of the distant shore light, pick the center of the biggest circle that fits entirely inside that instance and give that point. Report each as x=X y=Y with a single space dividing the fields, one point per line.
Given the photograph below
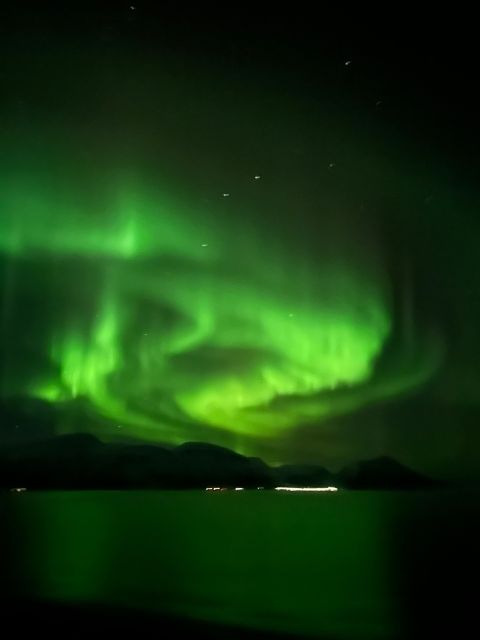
x=306 y=488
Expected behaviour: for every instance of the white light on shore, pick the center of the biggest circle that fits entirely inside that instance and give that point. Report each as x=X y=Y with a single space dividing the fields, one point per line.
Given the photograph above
x=306 y=488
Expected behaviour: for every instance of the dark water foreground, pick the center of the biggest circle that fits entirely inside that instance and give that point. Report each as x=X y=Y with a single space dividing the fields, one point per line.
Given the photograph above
x=233 y=564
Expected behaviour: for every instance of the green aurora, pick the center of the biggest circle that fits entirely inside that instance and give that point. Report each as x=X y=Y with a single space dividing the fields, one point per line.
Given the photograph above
x=189 y=255
x=200 y=316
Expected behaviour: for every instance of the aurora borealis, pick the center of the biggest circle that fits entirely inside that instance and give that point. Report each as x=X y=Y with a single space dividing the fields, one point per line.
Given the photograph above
x=190 y=316
x=203 y=248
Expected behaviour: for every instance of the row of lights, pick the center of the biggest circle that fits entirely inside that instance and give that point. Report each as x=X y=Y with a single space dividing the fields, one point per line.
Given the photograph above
x=306 y=488
x=277 y=488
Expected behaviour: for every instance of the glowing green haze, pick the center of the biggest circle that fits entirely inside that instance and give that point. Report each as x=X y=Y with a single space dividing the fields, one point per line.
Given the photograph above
x=200 y=266
x=196 y=317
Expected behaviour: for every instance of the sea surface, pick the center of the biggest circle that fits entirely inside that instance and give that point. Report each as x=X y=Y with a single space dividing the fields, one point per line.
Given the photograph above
x=334 y=565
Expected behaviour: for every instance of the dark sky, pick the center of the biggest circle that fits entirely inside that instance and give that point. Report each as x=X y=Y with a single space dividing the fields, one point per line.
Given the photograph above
x=257 y=229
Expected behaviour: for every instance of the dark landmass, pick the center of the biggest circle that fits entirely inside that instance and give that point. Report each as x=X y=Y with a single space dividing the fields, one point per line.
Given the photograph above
x=383 y=473
x=304 y=475
x=81 y=461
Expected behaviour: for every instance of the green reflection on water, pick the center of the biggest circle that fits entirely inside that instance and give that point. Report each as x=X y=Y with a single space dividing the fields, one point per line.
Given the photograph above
x=303 y=564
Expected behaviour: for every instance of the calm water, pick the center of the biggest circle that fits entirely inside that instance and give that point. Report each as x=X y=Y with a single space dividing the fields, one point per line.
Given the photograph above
x=337 y=565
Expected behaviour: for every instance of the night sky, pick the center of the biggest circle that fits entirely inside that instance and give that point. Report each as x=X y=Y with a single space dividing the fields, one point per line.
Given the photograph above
x=259 y=231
